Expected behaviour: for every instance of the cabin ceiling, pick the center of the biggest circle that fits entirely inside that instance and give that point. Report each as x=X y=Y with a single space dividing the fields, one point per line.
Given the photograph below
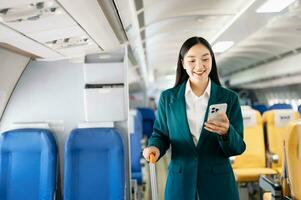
x=264 y=38
x=154 y=29
x=258 y=37
x=169 y=23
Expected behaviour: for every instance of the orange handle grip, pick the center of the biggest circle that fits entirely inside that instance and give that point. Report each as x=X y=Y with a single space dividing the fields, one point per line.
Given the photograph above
x=152 y=158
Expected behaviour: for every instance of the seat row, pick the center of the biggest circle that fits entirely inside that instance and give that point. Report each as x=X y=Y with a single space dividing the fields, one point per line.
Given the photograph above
x=94 y=166
x=287 y=186
x=262 y=108
x=141 y=123
x=264 y=136
x=93 y=161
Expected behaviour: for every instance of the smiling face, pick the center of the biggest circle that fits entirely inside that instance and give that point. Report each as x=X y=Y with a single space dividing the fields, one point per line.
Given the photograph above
x=197 y=62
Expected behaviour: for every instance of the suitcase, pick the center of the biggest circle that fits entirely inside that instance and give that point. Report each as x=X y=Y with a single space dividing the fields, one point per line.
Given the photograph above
x=153 y=177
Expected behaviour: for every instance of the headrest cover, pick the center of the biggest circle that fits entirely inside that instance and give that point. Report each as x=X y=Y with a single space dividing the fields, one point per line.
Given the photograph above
x=131 y=121
x=96 y=125
x=249 y=118
x=133 y=112
x=246 y=107
x=22 y=125
x=283 y=117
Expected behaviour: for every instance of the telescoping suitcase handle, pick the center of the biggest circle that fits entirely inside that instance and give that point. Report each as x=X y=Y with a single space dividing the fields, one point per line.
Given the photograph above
x=153 y=176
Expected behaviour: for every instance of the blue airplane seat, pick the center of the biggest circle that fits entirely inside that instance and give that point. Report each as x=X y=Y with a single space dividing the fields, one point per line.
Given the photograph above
x=94 y=165
x=299 y=109
x=28 y=164
x=260 y=107
x=136 y=149
x=280 y=106
x=149 y=117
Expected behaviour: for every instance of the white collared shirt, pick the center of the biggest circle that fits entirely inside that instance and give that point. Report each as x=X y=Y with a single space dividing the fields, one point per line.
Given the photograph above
x=196 y=109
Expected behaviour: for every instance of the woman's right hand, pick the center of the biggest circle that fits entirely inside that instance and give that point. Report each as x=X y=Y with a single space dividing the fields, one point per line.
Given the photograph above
x=151 y=150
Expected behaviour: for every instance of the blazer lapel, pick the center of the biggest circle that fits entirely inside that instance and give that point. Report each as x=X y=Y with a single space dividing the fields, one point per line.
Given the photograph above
x=178 y=108
x=214 y=98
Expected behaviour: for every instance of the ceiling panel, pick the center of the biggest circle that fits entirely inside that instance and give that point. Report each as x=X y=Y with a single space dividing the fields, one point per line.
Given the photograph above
x=67 y=28
x=277 y=37
x=169 y=23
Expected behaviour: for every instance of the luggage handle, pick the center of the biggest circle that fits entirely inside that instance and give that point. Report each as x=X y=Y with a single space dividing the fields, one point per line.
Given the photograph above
x=153 y=177
x=152 y=158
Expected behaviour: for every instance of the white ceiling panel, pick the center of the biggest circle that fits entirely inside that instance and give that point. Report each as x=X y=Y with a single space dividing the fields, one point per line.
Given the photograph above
x=13 y=38
x=33 y=47
x=191 y=23
x=158 y=10
x=169 y=23
x=276 y=37
x=49 y=23
x=90 y=16
x=16 y=3
x=54 y=34
x=84 y=50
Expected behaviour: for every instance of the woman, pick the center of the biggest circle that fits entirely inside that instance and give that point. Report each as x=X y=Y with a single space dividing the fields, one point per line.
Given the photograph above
x=199 y=167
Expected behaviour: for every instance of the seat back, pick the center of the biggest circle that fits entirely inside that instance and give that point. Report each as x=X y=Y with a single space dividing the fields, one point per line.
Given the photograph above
x=278 y=106
x=299 y=109
x=254 y=155
x=148 y=116
x=94 y=165
x=293 y=157
x=261 y=108
x=276 y=125
x=135 y=141
x=28 y=164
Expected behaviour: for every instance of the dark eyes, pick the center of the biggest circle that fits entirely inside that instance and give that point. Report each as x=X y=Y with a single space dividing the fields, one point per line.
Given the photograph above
x=204 y=60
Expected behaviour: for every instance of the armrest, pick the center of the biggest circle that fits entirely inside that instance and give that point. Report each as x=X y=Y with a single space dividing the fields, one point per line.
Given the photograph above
x=272 y=158
x=271 y=184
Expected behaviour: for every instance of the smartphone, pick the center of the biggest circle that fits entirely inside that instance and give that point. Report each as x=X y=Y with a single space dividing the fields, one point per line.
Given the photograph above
x=214 y=109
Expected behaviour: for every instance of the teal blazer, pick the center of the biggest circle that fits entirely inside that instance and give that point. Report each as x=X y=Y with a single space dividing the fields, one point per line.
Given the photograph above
x=204 y=169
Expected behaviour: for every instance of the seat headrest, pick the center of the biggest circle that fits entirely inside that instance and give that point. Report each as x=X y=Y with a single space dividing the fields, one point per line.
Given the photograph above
x=260 y=107
x=95 y=138
x=249 y=118
x=147 y=113
x=28 y=139
x=246 y=107
x=131 y=121
x=280 y=106
x=22 y=125
x=96 y=125
x=283 y=117
x=133 y=112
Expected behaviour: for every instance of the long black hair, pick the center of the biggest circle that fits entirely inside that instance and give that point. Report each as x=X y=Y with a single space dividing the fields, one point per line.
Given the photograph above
x=181 y=72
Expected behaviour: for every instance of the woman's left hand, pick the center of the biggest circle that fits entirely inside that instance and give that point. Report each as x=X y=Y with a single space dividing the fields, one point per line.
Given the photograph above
x=220 y=125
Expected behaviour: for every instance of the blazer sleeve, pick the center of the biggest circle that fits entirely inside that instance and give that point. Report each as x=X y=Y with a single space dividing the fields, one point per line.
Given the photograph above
x=160 y=136
x=233 y=144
